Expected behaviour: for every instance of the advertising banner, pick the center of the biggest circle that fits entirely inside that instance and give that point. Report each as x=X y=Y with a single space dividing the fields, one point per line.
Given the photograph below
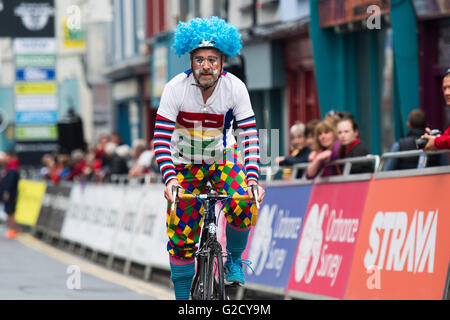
x=35 y=74
x=403 y=250
x=36 y=103
x=91 y=222
x=35 y=60
x=35 y=45
x=324 y=253
x=273 y=244
x=149 y=244
x=53 y=210
x=27 y=18
x=36 y=117
x=37 y=133
x=29 y=201
x=127 y=222
x=73 y=228
x=34 y=88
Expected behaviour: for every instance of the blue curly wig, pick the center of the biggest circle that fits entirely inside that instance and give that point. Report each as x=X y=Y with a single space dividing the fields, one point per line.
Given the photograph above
x=209 y=32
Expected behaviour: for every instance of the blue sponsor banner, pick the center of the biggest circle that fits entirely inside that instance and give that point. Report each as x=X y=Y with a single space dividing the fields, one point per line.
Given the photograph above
x=36 y=117
x=275 y=237
x=35 y=74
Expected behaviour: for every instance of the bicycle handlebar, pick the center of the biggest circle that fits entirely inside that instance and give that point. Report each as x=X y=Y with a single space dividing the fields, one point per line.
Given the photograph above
x=215 y=197
x=210 y=196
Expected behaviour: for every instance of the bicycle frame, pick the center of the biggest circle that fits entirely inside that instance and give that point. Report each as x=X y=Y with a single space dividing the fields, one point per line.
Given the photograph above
x=205 y=285
x=208 y=244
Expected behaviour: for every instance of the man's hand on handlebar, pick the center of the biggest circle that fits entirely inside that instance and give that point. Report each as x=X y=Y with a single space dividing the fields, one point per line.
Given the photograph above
x=169 y=189
x=260 y=191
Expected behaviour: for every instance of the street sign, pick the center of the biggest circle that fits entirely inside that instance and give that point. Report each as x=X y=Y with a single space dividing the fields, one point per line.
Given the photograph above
x=36 y=102
x=33 y=88
x=36 y=117
x=35 y=74
x=27 y=18
x=35 y=60
x=35 y=45
x=32 y=133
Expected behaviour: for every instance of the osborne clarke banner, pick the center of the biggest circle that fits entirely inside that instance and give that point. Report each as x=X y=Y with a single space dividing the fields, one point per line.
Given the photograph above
x=275 y=237
x=328 y=238
x=403 y=250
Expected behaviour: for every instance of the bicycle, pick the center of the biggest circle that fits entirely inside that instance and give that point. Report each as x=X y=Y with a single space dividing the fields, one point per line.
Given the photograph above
x=208 y=283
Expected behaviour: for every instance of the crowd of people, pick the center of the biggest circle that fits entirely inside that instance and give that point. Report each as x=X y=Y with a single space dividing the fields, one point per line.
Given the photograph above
x=320 y=142
x=108 y=158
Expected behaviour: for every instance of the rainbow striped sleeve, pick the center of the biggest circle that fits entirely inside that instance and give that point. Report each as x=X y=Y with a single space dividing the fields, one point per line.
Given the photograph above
x=249 y=136
x=163 y=134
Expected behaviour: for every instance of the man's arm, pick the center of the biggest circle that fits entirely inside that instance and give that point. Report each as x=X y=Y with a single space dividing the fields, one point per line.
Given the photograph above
x=163 y=134
x=437 y=143
x=443 y=142
x=249 y=135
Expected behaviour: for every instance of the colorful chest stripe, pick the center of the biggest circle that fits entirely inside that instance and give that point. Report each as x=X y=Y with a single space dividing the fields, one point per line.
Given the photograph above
x=164 y=129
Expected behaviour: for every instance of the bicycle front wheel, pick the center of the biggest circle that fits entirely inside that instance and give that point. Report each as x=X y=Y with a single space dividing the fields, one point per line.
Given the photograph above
x=215 y=287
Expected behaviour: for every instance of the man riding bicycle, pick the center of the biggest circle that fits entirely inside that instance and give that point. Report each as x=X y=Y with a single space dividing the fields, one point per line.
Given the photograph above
x=194 y=145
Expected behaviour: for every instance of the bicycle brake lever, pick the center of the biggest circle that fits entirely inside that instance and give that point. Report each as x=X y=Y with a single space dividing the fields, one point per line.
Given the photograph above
x=255 y=194
x=174 y=195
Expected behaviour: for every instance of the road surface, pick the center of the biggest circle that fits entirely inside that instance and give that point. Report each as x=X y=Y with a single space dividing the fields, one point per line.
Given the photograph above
x=33 y=270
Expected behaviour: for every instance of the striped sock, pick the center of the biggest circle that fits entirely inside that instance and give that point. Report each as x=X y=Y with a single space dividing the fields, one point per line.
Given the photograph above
x=182 y=276
x=236 y=241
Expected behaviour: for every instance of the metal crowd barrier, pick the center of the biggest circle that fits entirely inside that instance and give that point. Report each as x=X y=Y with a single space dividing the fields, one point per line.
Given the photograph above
x=422 y=170
x=379 y=162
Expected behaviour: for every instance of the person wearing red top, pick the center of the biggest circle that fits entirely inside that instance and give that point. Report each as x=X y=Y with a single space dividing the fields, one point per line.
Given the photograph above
x=9 y=191
x=351 y=145
x=442 y=142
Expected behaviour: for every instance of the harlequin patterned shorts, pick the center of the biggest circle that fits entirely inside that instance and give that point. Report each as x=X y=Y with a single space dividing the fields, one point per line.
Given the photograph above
x=226 y=178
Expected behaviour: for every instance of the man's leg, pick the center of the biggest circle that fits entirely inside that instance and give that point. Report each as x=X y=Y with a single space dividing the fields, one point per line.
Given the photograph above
x=230 y=178
x=13 y=227
x=184 y=233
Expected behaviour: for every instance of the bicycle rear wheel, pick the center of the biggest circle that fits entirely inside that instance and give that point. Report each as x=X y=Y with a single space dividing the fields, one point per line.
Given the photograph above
x=198 y=290
x=215 y=287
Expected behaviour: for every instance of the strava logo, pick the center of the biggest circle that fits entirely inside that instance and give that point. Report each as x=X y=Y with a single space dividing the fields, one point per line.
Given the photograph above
x=396 y=243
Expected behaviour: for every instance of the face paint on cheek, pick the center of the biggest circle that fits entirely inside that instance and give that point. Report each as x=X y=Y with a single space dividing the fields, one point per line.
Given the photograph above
x=216 y=68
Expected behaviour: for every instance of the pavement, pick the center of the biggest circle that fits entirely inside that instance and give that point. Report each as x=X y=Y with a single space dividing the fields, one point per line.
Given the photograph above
x=33 y=270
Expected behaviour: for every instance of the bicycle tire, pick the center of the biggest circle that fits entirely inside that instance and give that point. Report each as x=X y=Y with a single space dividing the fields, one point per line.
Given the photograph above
x=215 y=286
x=198 y=291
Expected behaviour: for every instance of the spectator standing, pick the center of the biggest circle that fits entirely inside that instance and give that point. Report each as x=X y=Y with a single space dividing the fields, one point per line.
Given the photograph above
x=300 y=152
x=351 y=145
x=143 y=158
x=309 y=133
x=119 y=161
x=78 y=164
x=442 y=142
x=9 y=191
x=326 y=147
x=416 y=125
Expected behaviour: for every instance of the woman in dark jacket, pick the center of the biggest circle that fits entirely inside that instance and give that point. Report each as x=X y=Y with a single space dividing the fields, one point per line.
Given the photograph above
x=9 y=191
x=299 y=154
x=351 y=145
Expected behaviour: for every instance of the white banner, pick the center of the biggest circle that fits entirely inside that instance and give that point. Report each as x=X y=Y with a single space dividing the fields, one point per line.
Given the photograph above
x=127 y=221
x=36 y=102
x=150 y=241
x=35 y=46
